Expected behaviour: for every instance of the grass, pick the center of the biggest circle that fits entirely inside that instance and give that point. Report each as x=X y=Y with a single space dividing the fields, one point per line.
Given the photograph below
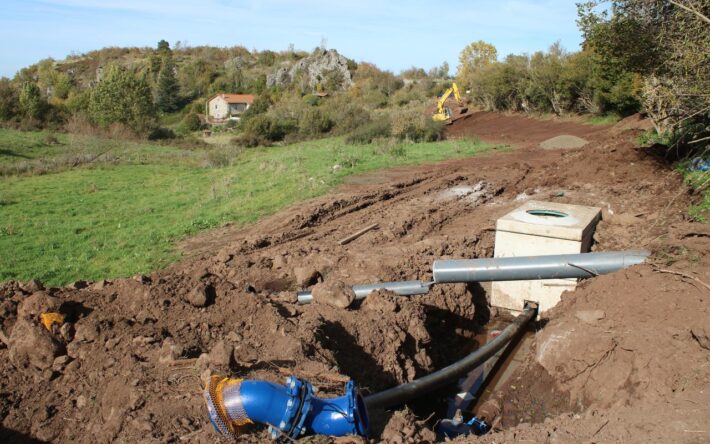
x=31 y=153
x=605 y=119
x=106 y=220
x=700 y=182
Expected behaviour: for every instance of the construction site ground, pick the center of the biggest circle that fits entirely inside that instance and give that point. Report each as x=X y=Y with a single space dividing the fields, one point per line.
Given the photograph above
x=624 y=358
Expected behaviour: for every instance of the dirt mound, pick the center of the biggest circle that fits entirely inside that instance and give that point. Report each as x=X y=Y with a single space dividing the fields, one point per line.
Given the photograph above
x=563 y=142
x=519 y=130
x=633 y=122
x=127 y=365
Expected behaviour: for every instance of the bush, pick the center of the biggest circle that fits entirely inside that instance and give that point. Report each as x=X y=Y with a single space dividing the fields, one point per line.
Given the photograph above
x=366 y=134
x=415 y=126
x=265 y=127
x=351 y=117
x=122 y=97
x=315 y=122
x=192 y=122
x=311 y=100
x=249 y=140
x=161 y=133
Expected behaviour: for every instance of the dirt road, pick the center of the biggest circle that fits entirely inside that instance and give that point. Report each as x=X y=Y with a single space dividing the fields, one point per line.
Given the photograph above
x=129 y=364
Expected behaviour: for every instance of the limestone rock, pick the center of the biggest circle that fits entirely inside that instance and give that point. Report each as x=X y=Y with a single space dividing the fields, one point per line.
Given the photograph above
x=313 y=69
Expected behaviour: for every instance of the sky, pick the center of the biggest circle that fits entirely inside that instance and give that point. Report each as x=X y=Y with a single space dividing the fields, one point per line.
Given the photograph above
x=394 y=34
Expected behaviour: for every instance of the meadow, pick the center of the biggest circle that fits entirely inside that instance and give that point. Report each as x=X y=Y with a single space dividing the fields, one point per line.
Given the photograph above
x=87 y=208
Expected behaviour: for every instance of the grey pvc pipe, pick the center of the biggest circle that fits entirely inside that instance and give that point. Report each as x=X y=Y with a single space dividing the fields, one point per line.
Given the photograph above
x=559 y=266
x=406 y=288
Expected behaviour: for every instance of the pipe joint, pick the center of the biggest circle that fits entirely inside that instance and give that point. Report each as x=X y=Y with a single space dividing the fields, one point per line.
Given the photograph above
x=291 y=410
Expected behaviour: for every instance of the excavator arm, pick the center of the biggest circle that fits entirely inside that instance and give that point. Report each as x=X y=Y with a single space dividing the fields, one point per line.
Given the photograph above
x=443 y=113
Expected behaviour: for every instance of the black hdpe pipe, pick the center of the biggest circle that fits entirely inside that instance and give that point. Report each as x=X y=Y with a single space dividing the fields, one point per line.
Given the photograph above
x=447 y=375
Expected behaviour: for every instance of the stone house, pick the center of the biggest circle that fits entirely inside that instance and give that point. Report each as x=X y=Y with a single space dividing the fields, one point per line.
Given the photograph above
x=221 y=107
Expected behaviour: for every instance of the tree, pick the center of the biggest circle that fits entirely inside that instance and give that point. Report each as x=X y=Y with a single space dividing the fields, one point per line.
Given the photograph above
x=168 y=91
x=9 y=102
x=661 y=45
x=32 y=104
x=121 y=97
x=474 y=57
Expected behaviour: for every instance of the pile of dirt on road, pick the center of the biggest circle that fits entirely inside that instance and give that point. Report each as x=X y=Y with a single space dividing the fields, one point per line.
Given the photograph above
x=563 y=142
x=625 y=357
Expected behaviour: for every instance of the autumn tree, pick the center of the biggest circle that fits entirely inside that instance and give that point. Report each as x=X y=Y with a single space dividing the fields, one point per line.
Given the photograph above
x=472 y=59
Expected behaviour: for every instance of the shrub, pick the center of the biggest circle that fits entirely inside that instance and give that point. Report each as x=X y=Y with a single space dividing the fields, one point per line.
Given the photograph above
x=311 y=100
x=216 y=158
x=192 y=122
x=366 y=134
x=161 y=133
x=348 y=116
x=121 y=97
x=9 y=101
x=249 y=140
x=413 y=125
x=266 y=127
x=315 y=122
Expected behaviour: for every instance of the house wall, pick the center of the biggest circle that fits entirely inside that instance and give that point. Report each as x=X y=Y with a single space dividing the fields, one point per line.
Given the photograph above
x=218 y=108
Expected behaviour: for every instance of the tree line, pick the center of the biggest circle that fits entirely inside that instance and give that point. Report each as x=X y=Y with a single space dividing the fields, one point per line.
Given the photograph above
x=650 y=56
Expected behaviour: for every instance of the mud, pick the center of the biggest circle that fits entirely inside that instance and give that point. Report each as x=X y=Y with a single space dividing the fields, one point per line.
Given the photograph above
x=130 y=365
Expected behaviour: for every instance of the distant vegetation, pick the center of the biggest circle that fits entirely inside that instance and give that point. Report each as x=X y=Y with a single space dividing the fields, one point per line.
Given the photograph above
x=161 y=94
x=646 y=56
x=649 y=56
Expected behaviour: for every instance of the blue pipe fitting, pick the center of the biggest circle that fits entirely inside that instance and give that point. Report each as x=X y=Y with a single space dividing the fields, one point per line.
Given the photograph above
x=290 y=410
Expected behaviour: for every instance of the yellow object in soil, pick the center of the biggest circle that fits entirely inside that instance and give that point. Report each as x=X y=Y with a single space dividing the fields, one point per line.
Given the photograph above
x=51 y=318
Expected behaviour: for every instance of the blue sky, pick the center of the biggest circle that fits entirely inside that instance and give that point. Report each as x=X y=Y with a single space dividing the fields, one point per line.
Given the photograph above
x=392 y=34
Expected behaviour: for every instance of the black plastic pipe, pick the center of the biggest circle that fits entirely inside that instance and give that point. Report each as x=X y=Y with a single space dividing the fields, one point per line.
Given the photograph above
x=399 y=395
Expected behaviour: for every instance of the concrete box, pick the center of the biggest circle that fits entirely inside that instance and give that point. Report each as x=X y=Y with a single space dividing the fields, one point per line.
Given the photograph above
x=535 y=229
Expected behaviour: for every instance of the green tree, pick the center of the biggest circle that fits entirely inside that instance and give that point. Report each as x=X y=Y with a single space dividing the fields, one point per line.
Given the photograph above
x=9 y=102
x=121 y=97
x=655 y=49
x=168 y=91
x=32 y=104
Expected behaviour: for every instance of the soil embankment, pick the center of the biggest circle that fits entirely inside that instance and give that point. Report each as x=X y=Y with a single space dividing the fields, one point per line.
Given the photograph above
x=128 y=365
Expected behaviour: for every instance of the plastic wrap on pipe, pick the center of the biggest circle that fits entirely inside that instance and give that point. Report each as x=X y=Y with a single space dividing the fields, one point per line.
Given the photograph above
x=558 y=266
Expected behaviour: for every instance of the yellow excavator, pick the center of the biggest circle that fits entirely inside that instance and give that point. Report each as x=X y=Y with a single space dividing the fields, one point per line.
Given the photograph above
x=443 y=112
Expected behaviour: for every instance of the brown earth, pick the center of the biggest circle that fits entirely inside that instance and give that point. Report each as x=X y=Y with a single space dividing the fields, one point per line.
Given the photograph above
x=128 y=364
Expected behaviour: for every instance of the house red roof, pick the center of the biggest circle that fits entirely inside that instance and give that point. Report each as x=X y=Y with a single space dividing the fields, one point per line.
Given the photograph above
x=235 y=98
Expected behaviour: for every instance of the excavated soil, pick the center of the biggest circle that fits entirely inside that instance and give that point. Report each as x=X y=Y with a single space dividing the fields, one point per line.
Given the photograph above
x=625 y=357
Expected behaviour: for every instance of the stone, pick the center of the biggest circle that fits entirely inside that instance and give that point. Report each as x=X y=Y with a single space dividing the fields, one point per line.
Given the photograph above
x=335 y=293
x=32 y=286
x=590 y=316
x=32 y=347
x=60 y=362
x=36 y=304
x=169 y=351
x=200 y=295
x=306 y=276
x=221 y=354
x=81 y=401
x=99 y=285
x=67 y=331
x=624 y=220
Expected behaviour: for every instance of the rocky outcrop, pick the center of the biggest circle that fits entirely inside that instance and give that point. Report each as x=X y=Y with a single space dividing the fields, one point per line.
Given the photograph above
x=325 y=67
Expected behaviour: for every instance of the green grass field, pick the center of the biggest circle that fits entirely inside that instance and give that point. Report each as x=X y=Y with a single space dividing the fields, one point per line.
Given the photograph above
x=123 y=214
